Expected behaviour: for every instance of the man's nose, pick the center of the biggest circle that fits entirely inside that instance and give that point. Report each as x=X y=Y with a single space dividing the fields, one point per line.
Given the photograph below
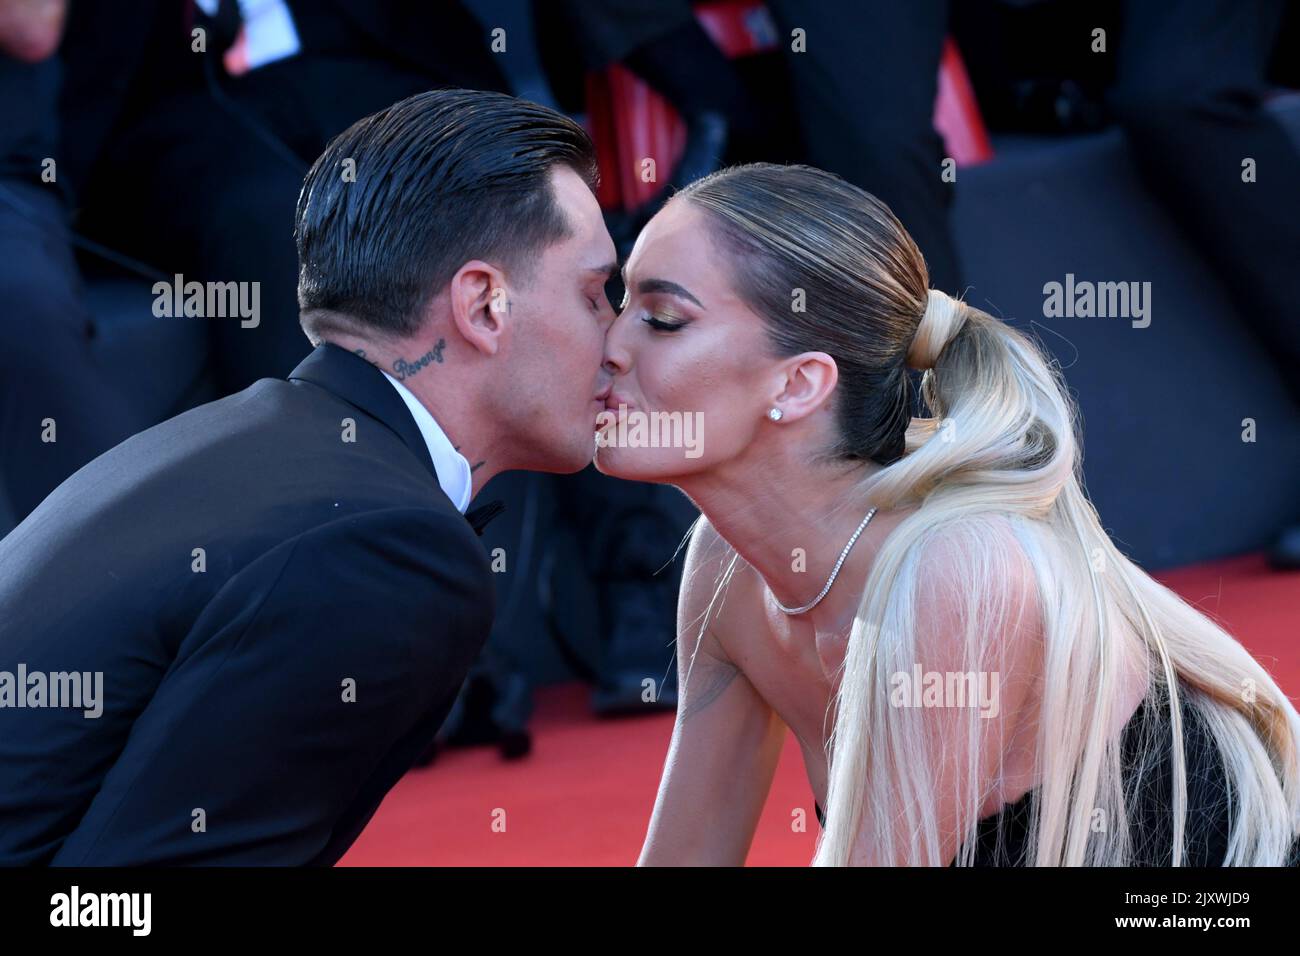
x=617 y=358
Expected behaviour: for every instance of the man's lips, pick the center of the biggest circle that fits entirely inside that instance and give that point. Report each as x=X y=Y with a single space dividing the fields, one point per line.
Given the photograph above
x=599 y=402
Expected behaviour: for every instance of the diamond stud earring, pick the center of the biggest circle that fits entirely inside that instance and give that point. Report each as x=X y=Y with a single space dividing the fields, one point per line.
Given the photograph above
x=775 y=414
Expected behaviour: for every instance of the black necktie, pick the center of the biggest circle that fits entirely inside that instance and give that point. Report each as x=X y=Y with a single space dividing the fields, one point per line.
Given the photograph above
x=479 y=517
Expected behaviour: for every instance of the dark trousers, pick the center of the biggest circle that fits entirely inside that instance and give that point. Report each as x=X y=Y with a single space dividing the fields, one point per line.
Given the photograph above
x=865 y=91
x=1189 y=93
x=50 y=383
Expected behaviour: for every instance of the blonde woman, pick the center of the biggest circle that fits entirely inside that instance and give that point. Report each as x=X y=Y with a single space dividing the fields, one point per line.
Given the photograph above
x=974 y=673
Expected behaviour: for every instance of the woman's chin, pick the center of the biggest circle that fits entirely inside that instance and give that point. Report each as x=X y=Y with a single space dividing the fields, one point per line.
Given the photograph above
x=637 y=464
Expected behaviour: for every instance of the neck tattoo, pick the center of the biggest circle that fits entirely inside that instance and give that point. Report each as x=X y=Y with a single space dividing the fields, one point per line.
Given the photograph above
x=402 y=369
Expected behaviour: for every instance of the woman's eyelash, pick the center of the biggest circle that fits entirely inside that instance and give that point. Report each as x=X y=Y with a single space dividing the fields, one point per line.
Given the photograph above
x=660 y=325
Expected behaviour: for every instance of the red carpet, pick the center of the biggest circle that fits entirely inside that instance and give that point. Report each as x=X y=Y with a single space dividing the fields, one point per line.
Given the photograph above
x=584 y=795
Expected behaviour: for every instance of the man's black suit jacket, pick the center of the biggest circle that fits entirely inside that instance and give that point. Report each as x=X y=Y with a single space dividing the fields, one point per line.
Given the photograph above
x=282 y=619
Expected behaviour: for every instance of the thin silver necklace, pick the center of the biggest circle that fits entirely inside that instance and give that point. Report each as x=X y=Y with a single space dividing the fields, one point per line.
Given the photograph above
x=834 y=571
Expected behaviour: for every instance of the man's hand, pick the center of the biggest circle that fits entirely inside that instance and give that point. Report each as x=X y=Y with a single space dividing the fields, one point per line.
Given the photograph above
x=30 y=30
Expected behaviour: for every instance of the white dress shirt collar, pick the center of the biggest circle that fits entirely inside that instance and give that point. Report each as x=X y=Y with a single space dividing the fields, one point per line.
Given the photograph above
x=451 y=466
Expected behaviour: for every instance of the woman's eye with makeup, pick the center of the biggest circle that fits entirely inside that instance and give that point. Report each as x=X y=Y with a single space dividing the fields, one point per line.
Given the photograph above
x=659 y=325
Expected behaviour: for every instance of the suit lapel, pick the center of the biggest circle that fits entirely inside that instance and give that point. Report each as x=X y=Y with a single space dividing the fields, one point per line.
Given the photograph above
x=359 y=383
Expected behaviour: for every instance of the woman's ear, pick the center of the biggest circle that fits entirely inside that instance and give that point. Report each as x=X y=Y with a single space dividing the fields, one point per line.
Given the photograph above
x=480 y=305
x=805 y=384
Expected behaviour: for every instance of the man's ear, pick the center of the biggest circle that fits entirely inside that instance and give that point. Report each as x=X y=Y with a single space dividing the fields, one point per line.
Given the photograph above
x=480 y=305
x=804 y=384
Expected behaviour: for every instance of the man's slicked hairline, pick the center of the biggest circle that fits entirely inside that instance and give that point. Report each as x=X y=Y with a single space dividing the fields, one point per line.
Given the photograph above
x=433 y=181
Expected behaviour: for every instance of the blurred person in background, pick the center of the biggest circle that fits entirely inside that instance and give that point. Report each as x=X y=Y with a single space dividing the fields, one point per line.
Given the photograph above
x=663 y=43
x=1188 y=81
x=57 y=409
x=190 y=146
x=1190 y=92
x=864 y=90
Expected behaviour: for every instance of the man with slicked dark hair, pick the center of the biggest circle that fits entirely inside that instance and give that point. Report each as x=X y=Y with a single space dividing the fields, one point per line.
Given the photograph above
x=228 y=637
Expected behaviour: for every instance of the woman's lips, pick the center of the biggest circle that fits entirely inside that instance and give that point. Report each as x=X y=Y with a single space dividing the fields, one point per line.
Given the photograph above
x=615 y=408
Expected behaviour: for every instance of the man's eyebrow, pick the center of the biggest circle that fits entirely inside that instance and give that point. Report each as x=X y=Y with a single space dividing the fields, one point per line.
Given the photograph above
x=666 y=287
x=608 y=271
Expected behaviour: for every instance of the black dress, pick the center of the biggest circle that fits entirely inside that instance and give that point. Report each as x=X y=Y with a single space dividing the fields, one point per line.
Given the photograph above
x=1001 y=839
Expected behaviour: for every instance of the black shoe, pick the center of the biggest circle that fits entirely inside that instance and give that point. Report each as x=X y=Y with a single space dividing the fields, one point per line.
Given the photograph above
x=429 y=755
x=637 y=674
x=622 y=694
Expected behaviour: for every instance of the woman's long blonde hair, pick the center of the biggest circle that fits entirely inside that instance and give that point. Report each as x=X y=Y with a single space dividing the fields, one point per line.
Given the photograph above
x=1000 y=441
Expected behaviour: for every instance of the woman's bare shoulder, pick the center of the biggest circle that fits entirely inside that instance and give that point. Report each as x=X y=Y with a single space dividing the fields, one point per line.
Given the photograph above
x=986 y=547
x=978 y=606
x=717 y=587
